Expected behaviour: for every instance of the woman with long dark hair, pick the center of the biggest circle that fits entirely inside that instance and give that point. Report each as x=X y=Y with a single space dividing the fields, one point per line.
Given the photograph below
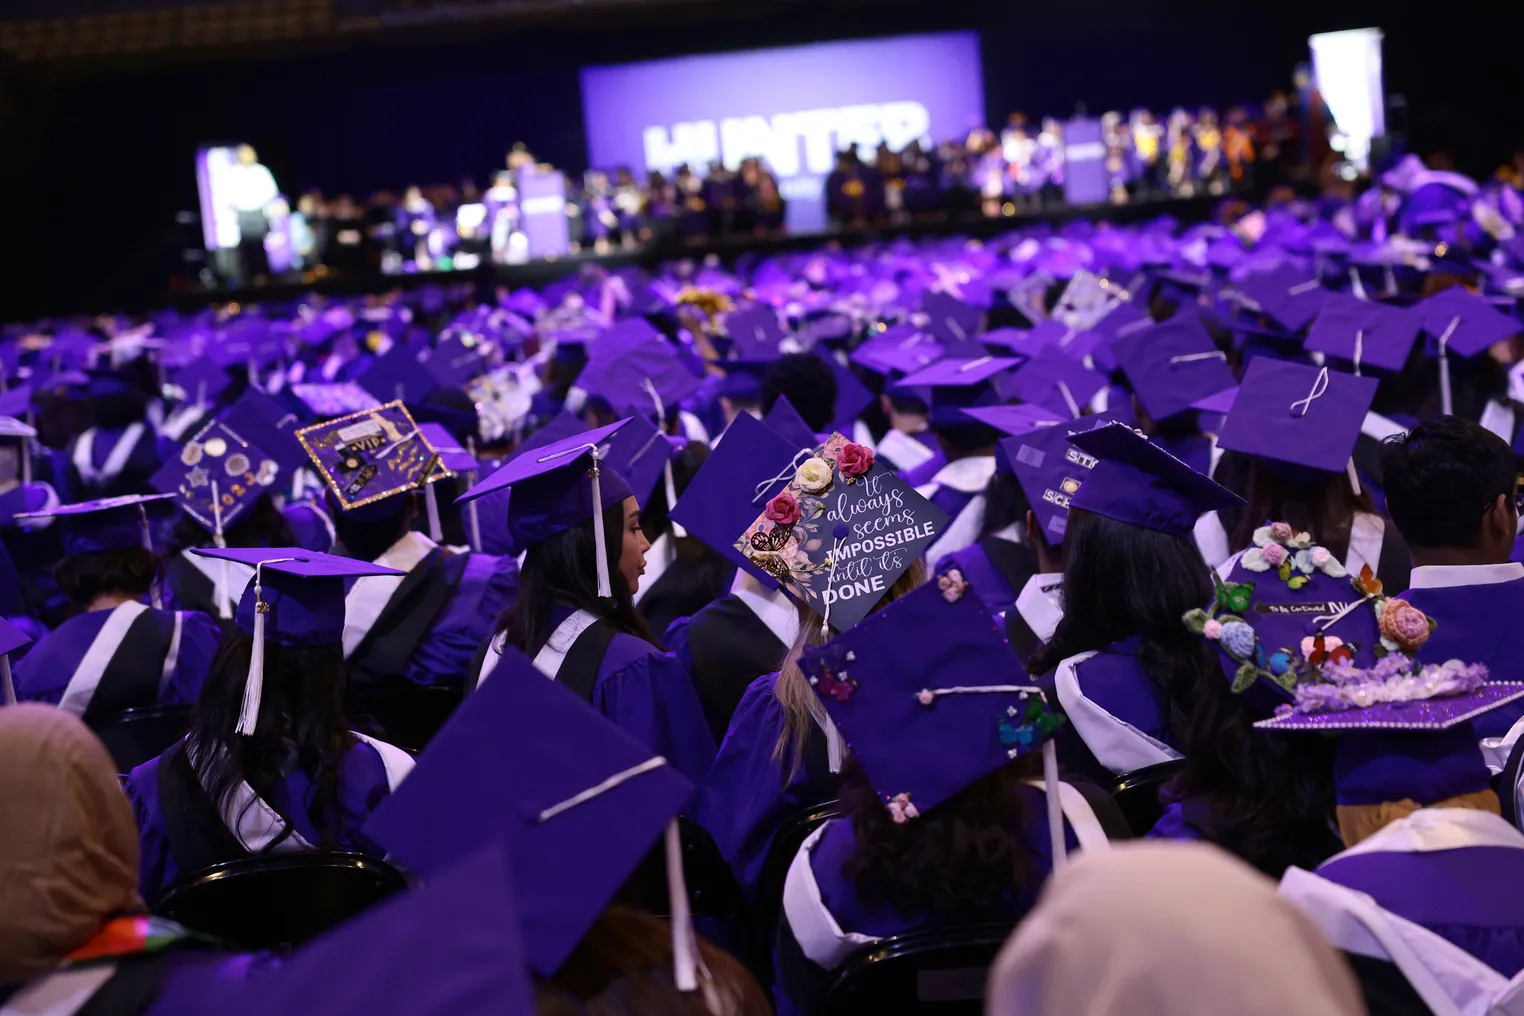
x=584 y=552
x=269 y=766
x=1120 y=665
x=947 y=814
x=118 y=652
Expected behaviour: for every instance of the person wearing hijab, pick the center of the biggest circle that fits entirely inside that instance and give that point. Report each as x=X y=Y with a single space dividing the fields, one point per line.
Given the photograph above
x=72 y=922
x=578 y=523
x=1120 y=666
x=948 y=821
x=1091 y=947
x=270 y=766
x=119 y=653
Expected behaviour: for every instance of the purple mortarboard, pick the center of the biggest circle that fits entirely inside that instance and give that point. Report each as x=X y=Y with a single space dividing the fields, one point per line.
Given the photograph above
x=1286 y=294
x=561 y=426
x=755 y=332
x=104 y=384
x=455 y=361
x=1297 y=416
x=1172 y=364
x=452 y=457
x=523 y=761
x=826 y=328
x=12 y=427
x=296 y=598
x=785 y=419
x=927 y=717
x=335 y=399
x=1054 y=381
x=1464 y=323
x=1218 y=402
x=952 y=322
x=200 y=381
x=1016 y=420
x=11 y=639
x=110 y=523
x=1139 y=483
x=724 y=496
x=957 y=385
x=1050 y=471
x=217 y=475
x=743 y=379
x=451 y=948
x=398 y=376
x=16 y=401
x=648 y=378
x=902 y=349
x=558 y=486
x=640 y=454
x=269 y=426
x=1366 y=333
x=852 y=396
x=369 y=456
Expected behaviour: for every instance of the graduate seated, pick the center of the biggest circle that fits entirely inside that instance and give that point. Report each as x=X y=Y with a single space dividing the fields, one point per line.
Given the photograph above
x=115 y=455
x=1093 y=943
x=1451 y=488
x=1119 y=665
x=1294 y=457
x=74 y=924
x=947 y=820
x=119 y=653
x=584 y=552
x=682 y=575
x=269 y=766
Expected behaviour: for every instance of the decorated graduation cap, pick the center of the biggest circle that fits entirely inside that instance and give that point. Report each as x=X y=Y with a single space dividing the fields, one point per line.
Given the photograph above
x=369 y=456
x=217 y=476
x=1137 y=482
x=557 y=486
x=578 y=800
x=1301 y=420
x=334 y=398
x=927 y=717
x=957 y=384
x=296 y=598
x=270 y=426
x=11 y=639
x=1364 y=332
x=1286 y=294
x=1050 y=471
x=752 y=459
x=1464 y=324
x=1172 y=364
x=1056 y=381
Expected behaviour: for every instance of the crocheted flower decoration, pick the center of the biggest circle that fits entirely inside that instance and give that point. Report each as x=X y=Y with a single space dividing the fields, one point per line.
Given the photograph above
x=1394 y=678
x=952 y=585
x=1290 y=554
x=1404 y=627
x=901 y=810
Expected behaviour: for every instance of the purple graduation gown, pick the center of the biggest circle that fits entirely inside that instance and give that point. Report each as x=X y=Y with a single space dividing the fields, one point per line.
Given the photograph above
x=1478 y=624
x=488 y=586
x=987 y=580
x=746 y=798
x=43 y=675
x=362 y=787
x=1115 y=681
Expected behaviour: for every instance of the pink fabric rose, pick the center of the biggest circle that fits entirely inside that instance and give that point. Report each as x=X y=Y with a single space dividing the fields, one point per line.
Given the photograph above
x=854 y=460
x=1212 y=629
x=782 y=510
x=1280 y=532
x=1273 y=554
x=1404 y=624
x=1320 y=556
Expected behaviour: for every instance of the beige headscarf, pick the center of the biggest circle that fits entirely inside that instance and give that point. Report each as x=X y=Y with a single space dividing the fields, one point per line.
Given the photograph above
x=1168 y=929
x=68 y=841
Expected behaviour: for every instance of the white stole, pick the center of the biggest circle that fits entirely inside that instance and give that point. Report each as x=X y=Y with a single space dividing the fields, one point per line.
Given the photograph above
x=552 y=655
x=368 y=597
x=1367 y=533
x=903 y=451
x=658 y=559
x=116 y=461
x=1040 y=607
x=87 y=676
x=1115 y=743
x=59 y=994
x=228 y=578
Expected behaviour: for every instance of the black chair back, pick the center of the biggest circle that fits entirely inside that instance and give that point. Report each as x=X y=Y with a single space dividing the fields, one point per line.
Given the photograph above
x=786 y=843
x=280 y=901
x=712 y=888
x=1506 y=783
x=133 y=736
x=1137 y=794
x=406 y=717
x=927 y=972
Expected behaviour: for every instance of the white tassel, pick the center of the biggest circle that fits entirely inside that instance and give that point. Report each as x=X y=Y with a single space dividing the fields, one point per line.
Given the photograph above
x=677 y=529
x=1446 y=403
x=158 y=600
x=835 y=750
x=684 y=944
x=436 y=531
x=600 y=540
x=1055 y=806
x=1354 y=477
x=7 y=687
x=254 y=683
x=224 y=604
x=472 y=517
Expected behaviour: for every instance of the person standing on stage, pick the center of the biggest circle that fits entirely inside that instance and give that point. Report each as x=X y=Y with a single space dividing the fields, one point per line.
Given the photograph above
x=251 y=188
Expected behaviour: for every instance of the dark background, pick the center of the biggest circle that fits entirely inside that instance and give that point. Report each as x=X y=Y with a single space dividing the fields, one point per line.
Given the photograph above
x=96 y=157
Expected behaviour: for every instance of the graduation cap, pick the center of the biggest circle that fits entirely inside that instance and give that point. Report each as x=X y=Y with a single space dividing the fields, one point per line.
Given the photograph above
x=11 y=639
x=785 y=419
x=742 y=381
x=1055 y=381
x=1218 y=402
x=1297 y=417
x=1016 y=420
x=927 y=717
x=455 y=360
x=900 y=349
x=558 y=486
x=334 y=399
x=369 y=456
x=951 y=321
x=397 y=375
x=648 y=378
x=1050 y=471
x=1172 y=364
x=755 y=331
x=723 y=496
x=578 y=800
x=1364 y=332
x=1287 y=295
x=852 y=396
x=268 y=425
x=217 y=476
x=1464 y=324
x=958 y=384
x=296 y=598
x=200 y=381
x=1137 y=482
x=109 y=523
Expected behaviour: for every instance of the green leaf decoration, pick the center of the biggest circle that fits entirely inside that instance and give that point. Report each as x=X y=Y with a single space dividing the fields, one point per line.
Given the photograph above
x=1296 y=581
x=1286 y=679
x=1285 y=570
x=1234 y=596
x=1195 y=621
x=1247 y=674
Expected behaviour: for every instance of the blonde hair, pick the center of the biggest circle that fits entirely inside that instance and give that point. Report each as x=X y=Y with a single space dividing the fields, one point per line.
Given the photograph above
x=792 y=689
